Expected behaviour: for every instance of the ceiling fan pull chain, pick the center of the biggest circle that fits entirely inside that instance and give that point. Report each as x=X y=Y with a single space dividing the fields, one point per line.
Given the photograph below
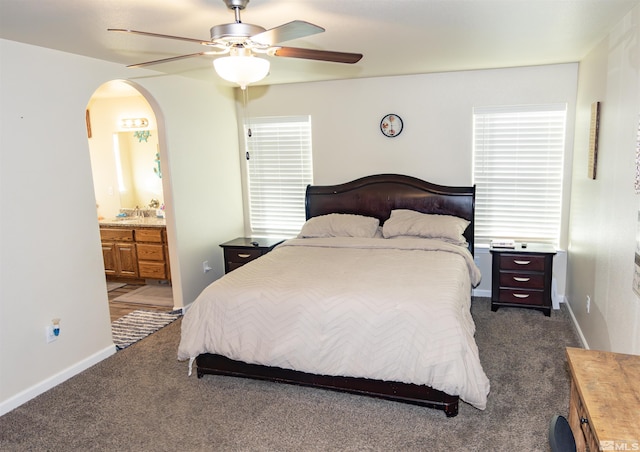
x=245 y=110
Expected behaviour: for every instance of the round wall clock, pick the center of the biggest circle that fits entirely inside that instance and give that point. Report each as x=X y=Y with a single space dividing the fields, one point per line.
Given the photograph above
x=391 y=125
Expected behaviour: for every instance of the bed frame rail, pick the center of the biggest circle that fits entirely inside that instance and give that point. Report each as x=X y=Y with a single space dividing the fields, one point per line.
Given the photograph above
x=399 y=392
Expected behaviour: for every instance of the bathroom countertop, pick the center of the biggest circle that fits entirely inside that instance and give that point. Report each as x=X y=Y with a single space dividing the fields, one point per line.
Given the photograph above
x=128 y=222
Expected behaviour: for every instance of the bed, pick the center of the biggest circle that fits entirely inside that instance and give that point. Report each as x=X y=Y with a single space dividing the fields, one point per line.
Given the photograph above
x=368 y=299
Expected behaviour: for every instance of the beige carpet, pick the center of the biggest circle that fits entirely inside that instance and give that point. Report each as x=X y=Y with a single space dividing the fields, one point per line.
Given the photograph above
x=151 y=294
x=141 y=399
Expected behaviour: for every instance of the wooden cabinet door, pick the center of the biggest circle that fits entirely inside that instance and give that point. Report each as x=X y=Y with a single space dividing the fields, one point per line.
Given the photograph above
x=127 y=259
x=110 y=258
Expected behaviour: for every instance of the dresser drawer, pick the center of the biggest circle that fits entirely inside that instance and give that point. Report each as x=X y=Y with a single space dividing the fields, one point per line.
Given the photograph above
x=524 y=280
x=582 y=418
x=529 y=297
x=521 y=262
x=241 y=256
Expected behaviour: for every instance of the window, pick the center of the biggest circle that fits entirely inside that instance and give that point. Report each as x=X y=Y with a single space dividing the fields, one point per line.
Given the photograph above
x=279 y=168
x=518 y=167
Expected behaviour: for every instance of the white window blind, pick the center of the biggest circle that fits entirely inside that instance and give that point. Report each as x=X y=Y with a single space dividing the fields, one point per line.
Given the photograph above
x=518 y=167
x=279 y=168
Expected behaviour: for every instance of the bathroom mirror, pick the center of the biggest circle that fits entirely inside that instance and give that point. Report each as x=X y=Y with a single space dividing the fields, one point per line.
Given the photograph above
x=124 y=150
x=138 y=170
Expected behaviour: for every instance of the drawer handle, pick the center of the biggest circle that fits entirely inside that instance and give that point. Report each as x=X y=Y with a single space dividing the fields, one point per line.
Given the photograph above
x=244 y=256
x=520 y=279
x=515 y=261
x=521 y=295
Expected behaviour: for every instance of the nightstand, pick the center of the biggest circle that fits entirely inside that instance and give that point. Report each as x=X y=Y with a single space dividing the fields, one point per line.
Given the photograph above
x=521 y=276
x=238 y=252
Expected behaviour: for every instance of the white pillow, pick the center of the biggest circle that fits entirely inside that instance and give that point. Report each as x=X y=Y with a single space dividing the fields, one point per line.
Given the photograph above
x=339 y=225
x=404 y=222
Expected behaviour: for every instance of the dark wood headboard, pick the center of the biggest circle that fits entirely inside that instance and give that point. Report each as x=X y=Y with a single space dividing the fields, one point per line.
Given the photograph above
x=376 y=196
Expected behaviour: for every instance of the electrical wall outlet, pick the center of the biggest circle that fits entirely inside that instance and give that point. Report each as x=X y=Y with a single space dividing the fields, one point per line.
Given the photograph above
x=50 y=334
x=205 y=267
x=588 y=304
x=52 y=331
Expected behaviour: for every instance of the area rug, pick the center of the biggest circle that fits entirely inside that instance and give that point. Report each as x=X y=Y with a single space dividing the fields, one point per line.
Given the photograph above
x=137 y=325
x=111 y=285
x=156 y=295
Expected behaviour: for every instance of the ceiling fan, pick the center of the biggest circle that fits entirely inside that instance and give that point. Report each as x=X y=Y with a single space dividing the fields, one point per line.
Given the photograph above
x=242 y=41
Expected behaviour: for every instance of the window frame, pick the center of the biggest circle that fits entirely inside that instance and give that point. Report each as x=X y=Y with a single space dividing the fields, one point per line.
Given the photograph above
x=254 y=226
x=561 y=143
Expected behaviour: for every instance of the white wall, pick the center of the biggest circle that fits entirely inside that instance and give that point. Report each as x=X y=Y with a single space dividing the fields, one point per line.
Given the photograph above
x=604 y=213
x=51 y=262
x=436 y=142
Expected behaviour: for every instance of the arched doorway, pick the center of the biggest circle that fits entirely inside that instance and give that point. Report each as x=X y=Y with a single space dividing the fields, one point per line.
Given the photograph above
x=130 y=185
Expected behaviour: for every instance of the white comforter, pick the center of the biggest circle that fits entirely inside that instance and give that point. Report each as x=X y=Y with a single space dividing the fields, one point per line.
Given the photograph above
x=386 y=309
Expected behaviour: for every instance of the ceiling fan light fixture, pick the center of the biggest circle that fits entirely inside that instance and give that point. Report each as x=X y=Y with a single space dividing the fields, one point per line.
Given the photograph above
x=242 y=70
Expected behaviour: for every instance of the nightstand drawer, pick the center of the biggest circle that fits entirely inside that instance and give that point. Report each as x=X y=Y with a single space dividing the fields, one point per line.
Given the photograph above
x=521 y=262
x=529 y=297
x=241 y=256
x=524 y=280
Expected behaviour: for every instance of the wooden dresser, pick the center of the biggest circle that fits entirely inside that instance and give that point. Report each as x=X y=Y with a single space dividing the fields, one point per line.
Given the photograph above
x=521 y=276
x=604 y=409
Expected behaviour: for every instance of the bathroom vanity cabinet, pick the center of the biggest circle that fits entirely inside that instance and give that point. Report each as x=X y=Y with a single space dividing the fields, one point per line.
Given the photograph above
x=135 y=251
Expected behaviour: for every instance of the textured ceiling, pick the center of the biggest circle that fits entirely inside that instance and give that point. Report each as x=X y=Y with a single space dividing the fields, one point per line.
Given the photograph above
x=396 y=36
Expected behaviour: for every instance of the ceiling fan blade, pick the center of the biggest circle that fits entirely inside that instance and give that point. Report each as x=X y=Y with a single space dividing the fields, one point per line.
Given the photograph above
x=166 y=60
x=156 y=35
x=287 y=32
x=322 y=55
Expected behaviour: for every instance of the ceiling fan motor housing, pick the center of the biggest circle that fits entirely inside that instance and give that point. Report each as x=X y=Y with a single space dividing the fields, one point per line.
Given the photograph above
x=235 y=32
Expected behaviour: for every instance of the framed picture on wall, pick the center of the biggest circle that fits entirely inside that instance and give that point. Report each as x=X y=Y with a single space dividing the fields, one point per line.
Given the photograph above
x=637 y=181
x=87 y=117
x=636 y=268
x=593 y=140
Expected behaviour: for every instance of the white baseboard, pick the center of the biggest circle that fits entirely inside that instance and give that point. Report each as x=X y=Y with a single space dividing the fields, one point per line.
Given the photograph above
x=482 y=293
x=577 y=326
x=54 y=380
